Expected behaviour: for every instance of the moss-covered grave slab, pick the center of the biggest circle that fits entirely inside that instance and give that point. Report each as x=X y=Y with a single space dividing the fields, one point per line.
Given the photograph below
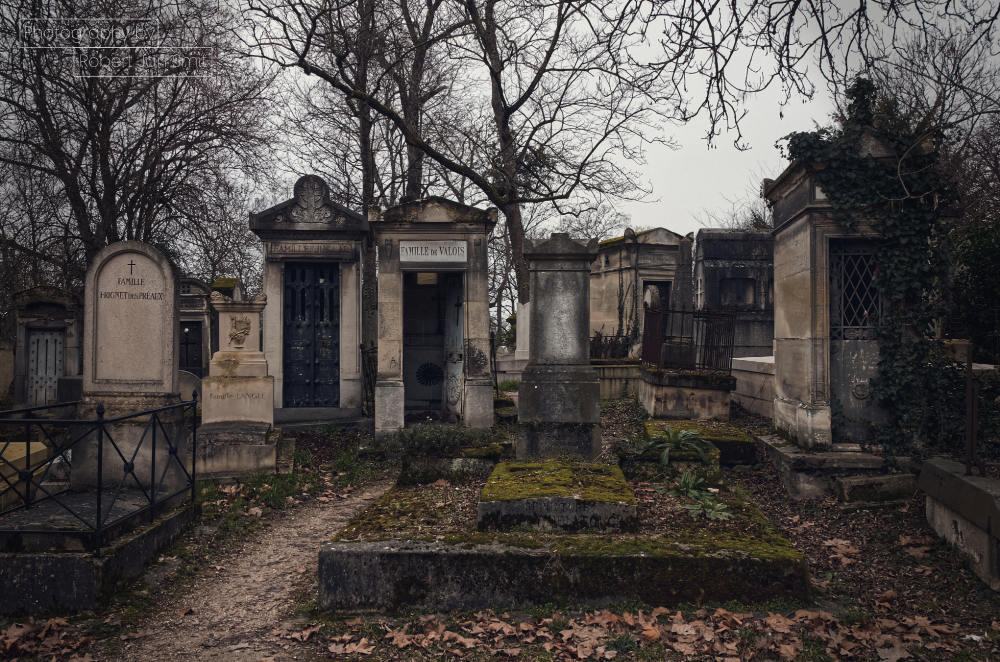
x=419 y=547
x=557 y=494
x=735 y=446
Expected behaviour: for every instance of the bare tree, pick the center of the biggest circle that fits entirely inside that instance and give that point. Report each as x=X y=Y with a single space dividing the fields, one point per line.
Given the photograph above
x=127 y=129
x=566 y=109
x=599 y=222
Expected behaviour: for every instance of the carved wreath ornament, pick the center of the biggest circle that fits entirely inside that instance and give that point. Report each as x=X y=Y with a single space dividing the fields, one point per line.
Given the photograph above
x=240 y=330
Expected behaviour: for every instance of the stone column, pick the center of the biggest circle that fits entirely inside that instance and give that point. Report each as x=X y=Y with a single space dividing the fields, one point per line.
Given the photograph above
x=271 y=324
x=522 y=350
x=350 y=335
x=130 y=365
x=558 y=400
x=389 y=392
x=478 y=409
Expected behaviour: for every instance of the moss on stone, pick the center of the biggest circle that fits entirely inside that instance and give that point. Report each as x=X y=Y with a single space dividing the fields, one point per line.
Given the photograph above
x=708 y=430
x=493 y=451
x=557 y=478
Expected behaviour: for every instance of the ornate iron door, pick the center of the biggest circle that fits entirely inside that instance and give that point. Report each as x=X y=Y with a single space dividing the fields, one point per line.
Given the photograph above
x=311 y=335
x=45 y=366
x=855 y=307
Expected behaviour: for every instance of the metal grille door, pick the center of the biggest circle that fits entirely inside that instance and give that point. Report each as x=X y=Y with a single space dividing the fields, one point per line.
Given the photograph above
x=311 y=335
x=854 y=299
x=855 y=308
x=45 y=366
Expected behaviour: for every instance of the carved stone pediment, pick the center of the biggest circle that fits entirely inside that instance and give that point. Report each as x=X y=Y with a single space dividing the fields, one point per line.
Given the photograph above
x=312 y=202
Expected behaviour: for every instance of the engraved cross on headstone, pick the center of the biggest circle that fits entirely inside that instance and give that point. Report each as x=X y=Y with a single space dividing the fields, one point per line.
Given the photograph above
x=131 y=264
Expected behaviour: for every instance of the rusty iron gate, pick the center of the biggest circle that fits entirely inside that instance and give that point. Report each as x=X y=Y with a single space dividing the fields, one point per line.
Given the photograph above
x=688 y=340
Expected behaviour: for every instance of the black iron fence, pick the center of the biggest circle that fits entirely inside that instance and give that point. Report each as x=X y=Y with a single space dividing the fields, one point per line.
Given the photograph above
x=688 y=340
x=122 y=477
x=610 y=346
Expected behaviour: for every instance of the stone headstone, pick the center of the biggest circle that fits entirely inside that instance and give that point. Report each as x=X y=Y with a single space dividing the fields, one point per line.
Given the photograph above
x=559 y=396
x=130 y=363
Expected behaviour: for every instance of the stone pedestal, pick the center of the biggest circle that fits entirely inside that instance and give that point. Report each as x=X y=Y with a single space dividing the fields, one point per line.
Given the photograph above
x=559 y=396
x=237 y=409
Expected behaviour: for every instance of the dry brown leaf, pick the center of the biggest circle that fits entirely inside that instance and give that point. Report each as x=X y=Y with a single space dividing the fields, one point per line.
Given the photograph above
x=255 y=512
x=779 y=623
x=918 y=553
x=650 y=634
x=790 y=650
x=362 y=647
x=468 y=642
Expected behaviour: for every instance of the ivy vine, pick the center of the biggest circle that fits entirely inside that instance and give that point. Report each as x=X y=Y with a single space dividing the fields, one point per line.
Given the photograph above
x=877 y=169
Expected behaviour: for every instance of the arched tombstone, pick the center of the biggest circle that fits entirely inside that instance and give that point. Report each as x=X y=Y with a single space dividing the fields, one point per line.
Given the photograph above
x=130 y=333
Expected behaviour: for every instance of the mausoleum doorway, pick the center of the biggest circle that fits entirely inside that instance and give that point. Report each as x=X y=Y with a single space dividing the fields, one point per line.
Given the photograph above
x=433 y=331
x=311 y=324
x=433 y=314
x=311 y=352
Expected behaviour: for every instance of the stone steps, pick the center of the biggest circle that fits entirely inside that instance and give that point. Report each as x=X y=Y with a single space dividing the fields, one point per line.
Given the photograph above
x=857 y=478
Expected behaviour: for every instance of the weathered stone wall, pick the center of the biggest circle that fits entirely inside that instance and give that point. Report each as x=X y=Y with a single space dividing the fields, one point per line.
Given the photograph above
x=755 y=384
x=670 y=395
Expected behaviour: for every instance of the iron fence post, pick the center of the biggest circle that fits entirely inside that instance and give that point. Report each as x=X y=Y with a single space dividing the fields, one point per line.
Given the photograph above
x=152 y=463
x=100 y=477
x=25 y=473
x=194 y=443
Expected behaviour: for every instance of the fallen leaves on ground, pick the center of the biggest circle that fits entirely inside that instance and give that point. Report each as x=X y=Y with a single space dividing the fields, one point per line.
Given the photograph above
x=717 y=634
x=43 y=639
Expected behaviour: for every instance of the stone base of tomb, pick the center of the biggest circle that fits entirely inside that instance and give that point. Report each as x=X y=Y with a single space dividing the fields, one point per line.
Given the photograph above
x=559 y=411
x=555 y=495
x=236 y=448
x=587 y=569
x=59 y=573
x=681 y=394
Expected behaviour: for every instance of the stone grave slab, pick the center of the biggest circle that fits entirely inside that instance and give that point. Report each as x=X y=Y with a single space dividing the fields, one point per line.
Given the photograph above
x=554 y=494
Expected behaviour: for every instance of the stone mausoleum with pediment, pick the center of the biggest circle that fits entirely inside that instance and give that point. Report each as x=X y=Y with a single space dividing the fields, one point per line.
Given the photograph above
x=433 y=357
x=312 y=321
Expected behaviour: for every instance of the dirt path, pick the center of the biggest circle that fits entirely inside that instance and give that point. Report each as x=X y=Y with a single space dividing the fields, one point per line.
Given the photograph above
x=235 y=610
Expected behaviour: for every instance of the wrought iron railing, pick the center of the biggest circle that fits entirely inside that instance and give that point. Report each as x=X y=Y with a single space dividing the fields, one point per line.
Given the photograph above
x=610 y=346
x=96 y=505
x=688 y=340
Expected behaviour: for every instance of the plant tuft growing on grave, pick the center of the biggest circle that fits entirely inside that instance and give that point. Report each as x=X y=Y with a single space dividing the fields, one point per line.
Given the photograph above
x=670 y=440
x=508 y=385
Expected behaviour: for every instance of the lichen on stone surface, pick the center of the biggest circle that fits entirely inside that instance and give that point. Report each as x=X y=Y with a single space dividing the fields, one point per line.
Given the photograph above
x=710 y=430
x=557 y=478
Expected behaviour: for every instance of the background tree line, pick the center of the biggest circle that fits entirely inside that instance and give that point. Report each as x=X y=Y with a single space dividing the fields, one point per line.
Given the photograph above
x=543 y=110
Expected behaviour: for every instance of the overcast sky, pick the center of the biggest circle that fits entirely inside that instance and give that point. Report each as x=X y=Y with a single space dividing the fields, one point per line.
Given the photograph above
x=692 y=179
